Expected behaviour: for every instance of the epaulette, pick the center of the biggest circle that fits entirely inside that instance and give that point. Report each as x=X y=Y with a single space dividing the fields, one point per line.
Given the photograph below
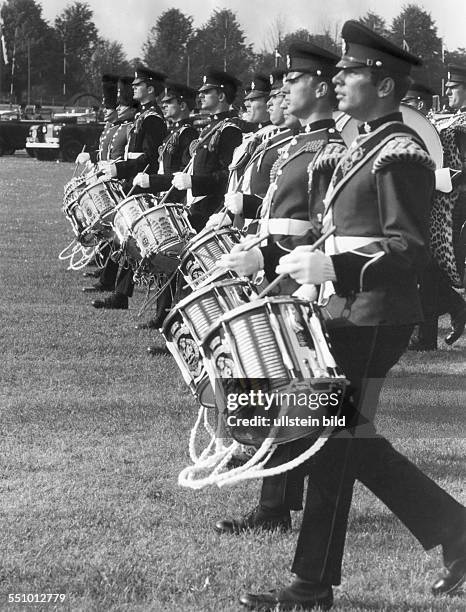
x=402 y=149
x=329 y=156
x=226 y=123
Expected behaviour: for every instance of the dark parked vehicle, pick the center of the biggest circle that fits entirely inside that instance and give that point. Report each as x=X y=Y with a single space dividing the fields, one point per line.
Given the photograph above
x=14 y=129
x=64 y=137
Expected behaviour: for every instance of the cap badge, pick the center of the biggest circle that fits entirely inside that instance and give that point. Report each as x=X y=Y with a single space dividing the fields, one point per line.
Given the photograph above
x=345 y=46
x=288 y=62
x=271 y=79
x=253 y=86
x=204 y=79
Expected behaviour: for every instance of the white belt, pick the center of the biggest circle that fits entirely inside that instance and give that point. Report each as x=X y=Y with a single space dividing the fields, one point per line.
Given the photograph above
x=287 y=227
x=348 y=243
x=134 y=155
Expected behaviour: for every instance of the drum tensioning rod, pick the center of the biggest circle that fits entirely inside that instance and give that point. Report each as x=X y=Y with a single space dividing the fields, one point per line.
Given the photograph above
x=313 y=247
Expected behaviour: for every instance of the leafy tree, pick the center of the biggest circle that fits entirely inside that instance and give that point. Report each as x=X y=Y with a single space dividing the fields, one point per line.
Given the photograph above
x=108 y=57
x=29 y=40
x=414 y=29
x=166 y=46
x=80 y=39
x=375 y=22
x=220 y=42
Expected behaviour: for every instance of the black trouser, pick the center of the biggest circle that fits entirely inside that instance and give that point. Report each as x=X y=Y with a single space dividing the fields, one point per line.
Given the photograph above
x=437 y=298
x=366 y=355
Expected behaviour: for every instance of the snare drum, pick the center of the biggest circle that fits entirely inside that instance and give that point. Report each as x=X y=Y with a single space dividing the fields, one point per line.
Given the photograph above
x=200 y=256
x=128 y=211
x=99 y=198
x=277 y=345
x=162 y=229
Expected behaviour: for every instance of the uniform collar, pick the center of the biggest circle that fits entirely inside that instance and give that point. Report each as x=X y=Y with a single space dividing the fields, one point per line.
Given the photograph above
x=321 y=124
x=370 y=126
x=221 y=116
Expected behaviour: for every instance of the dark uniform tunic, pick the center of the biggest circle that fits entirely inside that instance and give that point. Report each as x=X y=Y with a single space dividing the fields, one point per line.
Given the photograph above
x=292 y=209
x=117 y=139
x=211 y=159
x=145 y=137
x=382 y=189
x=174 y=156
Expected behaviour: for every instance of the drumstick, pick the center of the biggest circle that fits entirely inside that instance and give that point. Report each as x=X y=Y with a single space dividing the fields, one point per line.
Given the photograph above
x=314 y=246
x=76 y=163
x=130 y=192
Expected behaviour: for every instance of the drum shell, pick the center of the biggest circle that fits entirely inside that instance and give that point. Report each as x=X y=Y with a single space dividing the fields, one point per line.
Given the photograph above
x=200 y=257
x=128 y=211
x=162 y=229
x=99 y=199
x=187 y=355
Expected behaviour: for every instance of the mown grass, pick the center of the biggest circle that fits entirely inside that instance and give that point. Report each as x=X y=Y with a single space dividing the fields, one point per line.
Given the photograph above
x=94 y=433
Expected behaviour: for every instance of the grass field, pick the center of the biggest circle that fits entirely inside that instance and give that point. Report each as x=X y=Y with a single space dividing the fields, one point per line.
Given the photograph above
x=94 y=433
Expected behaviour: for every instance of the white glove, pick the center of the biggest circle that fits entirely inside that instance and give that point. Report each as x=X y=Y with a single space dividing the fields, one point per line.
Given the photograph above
x=218 y=220
x=305 y=266
x=109 y=169
x=234 y=202
x=244 y=263
x=83 y=158
x=181 y=181
x=443 y=180
x=141 y=180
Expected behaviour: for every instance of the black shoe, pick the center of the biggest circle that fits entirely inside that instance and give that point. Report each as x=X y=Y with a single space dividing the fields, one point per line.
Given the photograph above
x=114 y=302
x=157 y=350
x=98 y=287
x=258 y=518
x=93 y=274
x=300 y=595
x=454 y=557
x=458 y=323
x=419 y=345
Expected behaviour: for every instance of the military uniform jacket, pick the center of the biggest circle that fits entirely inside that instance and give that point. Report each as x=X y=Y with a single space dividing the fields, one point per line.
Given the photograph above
x=99 y=153
x=146 y=135
x=174 y=156
x=379 y=200
x=242 y=155
x=292 y=208
x=211 y=159
x=118 y=134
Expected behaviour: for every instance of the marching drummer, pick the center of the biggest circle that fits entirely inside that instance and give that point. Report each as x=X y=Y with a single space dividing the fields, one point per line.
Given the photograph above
x=206 y=181
x=379 y=202
x=145 y=137
x=174 y=155
x=290 y=215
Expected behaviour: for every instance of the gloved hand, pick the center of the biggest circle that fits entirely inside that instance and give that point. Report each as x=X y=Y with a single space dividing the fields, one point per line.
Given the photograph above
x=181 y=181
x=83 y=158
x=218 y=220
x=141 y=180
x=244 y=263
x=109 y=169
x=234 y=202
x=305 y=266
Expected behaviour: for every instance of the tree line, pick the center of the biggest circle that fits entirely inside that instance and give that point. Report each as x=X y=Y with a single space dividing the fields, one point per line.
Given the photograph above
x=42 y=61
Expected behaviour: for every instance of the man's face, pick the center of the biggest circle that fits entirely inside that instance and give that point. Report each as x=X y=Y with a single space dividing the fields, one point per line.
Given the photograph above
x=256 y=110
x=209 y=99
x=141 y=91
x=355 y=91
x=289 y=119
x=456 y=96
x=274 y=107
x=302 y=97
x=172 y=109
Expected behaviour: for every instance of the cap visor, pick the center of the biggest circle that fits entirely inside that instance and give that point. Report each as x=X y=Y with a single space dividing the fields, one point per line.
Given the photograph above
x=453 y=83
x=347 y=63
x=256 y=94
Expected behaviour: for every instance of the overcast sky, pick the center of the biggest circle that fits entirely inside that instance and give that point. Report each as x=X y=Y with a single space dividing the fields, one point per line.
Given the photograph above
x=129 y=21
